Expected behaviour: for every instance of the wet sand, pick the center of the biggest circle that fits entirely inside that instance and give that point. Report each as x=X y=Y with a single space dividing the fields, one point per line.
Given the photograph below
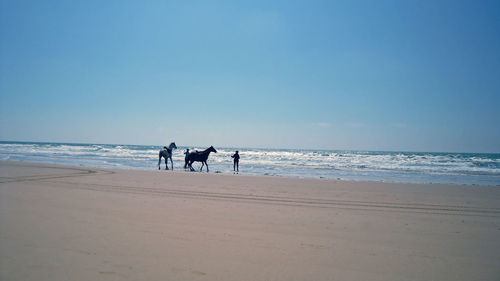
x=77 y=223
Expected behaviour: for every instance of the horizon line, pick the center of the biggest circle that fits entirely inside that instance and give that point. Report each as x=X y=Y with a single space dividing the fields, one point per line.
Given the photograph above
x=250 y=147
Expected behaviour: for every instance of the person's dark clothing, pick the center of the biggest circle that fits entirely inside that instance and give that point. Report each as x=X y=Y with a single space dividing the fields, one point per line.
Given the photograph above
x=236 y=157
x=236 y=165
x=186 y=158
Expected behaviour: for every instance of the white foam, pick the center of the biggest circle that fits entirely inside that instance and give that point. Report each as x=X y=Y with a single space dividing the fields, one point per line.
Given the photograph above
x=390 y=166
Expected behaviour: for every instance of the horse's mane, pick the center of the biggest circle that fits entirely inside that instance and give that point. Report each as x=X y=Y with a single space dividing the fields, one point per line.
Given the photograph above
x=203 y=151
x=169 y=148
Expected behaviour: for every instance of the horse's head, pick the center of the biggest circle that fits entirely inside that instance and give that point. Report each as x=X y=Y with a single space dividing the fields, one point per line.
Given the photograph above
x=172 y=145
x=212 y=149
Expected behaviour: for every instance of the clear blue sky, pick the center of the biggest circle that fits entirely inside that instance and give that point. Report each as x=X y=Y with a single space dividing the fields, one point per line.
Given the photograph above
x=370 y=75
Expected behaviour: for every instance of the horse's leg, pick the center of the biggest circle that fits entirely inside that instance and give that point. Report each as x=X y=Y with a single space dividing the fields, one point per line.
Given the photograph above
x=166 y=163
x=191 y=165
x=159 y=162
x=171 y=161
x=206 y=165
x=201 y=166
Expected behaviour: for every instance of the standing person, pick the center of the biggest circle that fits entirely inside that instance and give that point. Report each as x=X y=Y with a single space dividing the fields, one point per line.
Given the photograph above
x=236 y=163
x=186 y=158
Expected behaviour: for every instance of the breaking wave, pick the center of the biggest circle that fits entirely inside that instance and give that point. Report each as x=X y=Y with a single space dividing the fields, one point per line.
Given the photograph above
x=417 y=167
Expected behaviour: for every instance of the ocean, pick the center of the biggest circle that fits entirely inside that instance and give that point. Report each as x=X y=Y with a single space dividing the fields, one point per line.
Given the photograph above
x=411 y=167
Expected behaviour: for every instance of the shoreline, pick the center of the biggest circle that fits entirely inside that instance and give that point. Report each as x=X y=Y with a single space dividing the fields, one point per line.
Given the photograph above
x=61 y=222
x=414 y=167
x=281 y=184
x=181 y=170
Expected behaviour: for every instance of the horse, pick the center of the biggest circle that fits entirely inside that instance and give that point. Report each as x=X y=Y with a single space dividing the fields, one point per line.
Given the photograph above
x=166 y=153
x=201 y=156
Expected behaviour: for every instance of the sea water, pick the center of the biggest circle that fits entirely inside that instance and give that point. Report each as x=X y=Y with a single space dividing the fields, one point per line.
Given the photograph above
x=412 y=167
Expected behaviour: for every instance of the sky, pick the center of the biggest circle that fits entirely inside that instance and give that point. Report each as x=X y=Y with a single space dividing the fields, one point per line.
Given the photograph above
x=361 y=75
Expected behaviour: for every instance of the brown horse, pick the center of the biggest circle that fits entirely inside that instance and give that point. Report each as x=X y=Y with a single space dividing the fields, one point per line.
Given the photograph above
x=201 y=156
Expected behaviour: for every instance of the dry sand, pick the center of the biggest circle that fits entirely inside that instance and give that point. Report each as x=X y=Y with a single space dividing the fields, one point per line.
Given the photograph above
x=77 y=223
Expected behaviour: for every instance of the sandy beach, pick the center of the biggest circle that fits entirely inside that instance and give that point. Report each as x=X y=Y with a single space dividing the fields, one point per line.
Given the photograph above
x=78 y=223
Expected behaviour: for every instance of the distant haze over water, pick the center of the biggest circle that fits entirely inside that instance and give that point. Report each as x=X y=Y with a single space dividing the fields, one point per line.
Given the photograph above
x=412 y=167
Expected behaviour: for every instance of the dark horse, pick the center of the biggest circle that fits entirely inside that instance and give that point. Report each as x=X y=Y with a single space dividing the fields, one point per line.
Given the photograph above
x=201 y=156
